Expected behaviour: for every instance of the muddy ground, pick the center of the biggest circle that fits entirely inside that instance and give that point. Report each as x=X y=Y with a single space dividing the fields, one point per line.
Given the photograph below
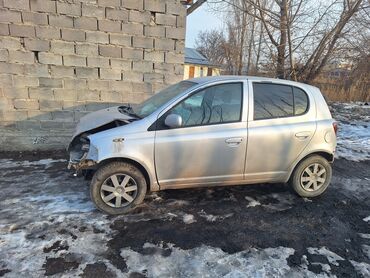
x=48 y=226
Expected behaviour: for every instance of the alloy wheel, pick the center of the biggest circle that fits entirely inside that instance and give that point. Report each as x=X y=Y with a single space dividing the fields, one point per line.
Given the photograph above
x=313 y=177
x=119 y=190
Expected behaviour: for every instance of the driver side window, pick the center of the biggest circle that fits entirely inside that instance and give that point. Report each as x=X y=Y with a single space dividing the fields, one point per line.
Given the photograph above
x=213 y=105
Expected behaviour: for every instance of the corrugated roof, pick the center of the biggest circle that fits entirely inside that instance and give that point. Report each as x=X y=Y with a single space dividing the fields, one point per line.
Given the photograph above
x=192 y=56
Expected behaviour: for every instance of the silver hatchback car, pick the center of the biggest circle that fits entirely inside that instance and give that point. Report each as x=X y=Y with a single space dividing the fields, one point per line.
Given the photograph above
x=225 y=130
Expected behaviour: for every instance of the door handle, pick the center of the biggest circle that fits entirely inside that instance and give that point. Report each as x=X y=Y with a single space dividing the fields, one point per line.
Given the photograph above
x=234 y=141
x=303 y=135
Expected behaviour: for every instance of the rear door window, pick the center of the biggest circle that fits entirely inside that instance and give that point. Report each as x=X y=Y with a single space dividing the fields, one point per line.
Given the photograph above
x=278 y=101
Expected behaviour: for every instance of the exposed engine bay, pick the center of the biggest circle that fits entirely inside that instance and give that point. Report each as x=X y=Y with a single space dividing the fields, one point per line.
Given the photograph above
x=90 y=124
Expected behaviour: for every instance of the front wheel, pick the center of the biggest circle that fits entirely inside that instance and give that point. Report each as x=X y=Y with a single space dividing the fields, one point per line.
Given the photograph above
x=311 y=177
x=117 y=188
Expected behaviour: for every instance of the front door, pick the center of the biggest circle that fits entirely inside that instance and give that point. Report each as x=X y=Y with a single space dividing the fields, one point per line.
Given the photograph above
x=210 y=145
x=280 y=126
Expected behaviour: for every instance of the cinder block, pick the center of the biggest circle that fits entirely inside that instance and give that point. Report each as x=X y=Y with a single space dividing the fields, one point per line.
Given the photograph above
x=48 y=105
x=73 y=105
x=111 y=96
x=37 y=116
x=120 y=39
x=97 y=37
x=87 y=49
x=74 y=60
x=47 y=6
x=36 y=70
x=109 y=3
x=133 y=29
x=69 y=9
x=41 y=93
x=133 y=4
x=99 y=85
x=109 y=26
x=153 y=77
x=139 y=17
x=10 y=43
x=88 y=23
x=36 y=45
x=29 y=104
x=110 y=51
x=175 y=33
x=174 y=58
x=117 y=14
x=93 y=11
x=13 y=115
x=6 y=80
x=22 y=57
x=35 y=18
x=62 y=47
x=88 y=95
x=154 y=31
x=132 y=54
x=163 y=67
x=165 y=19
x=63 y=94
x=73 y=35
x=4 y=29
x=176 y=8
x=51 y=82
x=77 y=84
x=89 y=73
x=164 y=44
x=142 y=87
x=50 y=58
x=110 y=74
x=155 y=6
x=142 y=66
x=10 y=16
x=11 y=92
x=154 y=56
x=180 y=46
x=22 y=31
x=173 y=78
x=180 y=21
x=120 y=64
x=17 y=4
x=61 y=21
x=61 y=71
x=121 y=86
x=98 y=62
x=50 y=33
x=133 y=76
x=4 y=55
x=6 y=67
x=143 y=42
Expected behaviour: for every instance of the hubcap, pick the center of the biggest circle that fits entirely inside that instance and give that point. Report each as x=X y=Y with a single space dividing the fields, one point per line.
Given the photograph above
x=313 y=177
x=118 y=190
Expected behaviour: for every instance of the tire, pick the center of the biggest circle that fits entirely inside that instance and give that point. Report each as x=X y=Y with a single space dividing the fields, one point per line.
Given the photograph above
x=315 y=184
x=118 y=180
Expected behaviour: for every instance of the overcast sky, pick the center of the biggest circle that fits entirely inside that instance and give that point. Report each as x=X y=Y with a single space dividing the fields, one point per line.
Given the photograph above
x=200 y=20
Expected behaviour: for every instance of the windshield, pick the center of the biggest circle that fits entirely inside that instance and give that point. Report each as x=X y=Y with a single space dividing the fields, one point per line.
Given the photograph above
x=151 y=104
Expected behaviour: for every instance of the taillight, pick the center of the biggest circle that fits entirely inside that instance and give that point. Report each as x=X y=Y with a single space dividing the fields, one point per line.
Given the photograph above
x=335 y=127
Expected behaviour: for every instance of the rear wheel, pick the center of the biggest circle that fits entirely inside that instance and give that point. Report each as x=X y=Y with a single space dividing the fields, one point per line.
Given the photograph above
x=311 y=177
x=117 y=188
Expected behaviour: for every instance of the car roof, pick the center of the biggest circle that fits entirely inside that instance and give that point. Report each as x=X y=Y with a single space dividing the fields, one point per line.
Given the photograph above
x=210 y=79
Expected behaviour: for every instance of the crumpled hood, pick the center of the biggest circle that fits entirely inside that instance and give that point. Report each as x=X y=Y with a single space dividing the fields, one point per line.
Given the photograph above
x=99 y=118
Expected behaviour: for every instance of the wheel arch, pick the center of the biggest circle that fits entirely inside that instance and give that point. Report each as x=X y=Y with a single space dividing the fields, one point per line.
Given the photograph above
x=327 y=155
x=137 y=164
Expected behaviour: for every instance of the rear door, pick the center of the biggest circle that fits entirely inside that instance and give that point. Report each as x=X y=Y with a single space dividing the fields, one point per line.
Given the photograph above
x=281 y=123
x=210 y=146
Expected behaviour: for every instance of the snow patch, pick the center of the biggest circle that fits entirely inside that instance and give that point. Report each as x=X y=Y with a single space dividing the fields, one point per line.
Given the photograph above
x=213 y=218
x=47 y=163
x=365 y=236
x=208 y=261
x=362 y=268
x=252 y=202
x=366 y=250
x=188 y=219
x=367 y=219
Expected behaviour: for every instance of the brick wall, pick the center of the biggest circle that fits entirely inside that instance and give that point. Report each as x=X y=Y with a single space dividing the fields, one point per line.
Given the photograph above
x=61 y=59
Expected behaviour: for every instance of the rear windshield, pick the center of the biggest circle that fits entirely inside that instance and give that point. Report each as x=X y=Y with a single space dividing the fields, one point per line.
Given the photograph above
x=151 y=104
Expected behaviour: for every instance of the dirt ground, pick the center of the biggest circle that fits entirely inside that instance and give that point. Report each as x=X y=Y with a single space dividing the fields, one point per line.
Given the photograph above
x=49 y=226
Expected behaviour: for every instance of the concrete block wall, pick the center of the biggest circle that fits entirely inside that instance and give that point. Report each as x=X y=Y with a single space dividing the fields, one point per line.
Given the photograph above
x=60 y=59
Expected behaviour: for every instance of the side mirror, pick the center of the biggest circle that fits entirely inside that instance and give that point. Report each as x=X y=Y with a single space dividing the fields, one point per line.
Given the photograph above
x=173 y=121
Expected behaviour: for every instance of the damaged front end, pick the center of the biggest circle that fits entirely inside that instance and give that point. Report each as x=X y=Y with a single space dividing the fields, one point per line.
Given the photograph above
x=83 y=155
